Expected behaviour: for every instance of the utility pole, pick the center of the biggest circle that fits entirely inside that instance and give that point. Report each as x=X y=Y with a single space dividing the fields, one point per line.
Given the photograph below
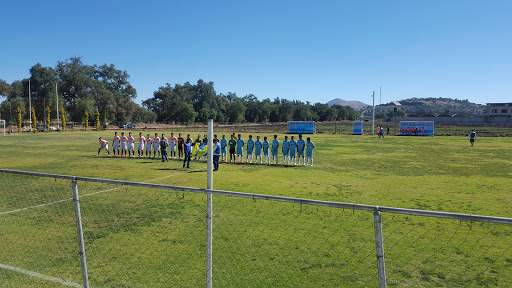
x=373 y=117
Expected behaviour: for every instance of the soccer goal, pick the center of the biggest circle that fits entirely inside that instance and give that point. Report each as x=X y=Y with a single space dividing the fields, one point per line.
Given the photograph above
x=417 y=128
x=301 y=127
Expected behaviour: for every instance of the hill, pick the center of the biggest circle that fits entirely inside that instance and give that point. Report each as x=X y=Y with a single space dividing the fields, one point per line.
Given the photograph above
x=353 y=104
x=435 y=106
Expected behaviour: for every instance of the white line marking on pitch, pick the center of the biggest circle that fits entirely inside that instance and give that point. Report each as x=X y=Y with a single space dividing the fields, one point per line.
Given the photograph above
x=38 y=275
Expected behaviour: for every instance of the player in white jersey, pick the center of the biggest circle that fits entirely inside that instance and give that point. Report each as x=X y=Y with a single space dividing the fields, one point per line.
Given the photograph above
x=131 y=143
x=140 y=148
x=123 y=144
x=172 y=145
x=104 y=145
x=149 y=141
x=156 y=146
x=115 y=144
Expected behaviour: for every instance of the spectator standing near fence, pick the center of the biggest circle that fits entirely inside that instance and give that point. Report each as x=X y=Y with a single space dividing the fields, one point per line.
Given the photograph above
x=472 y=137
x=188 y=152
x=216 y=154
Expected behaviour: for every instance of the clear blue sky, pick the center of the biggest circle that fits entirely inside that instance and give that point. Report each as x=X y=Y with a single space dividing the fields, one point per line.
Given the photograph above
x=306 y=50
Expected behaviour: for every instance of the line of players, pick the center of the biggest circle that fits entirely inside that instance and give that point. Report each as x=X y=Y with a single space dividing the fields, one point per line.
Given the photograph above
x=291 y=150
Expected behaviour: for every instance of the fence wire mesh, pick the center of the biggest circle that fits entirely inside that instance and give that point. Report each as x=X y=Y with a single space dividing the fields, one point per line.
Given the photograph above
x=153 y=237
x=431 y=252
x=140 y=237
x=37 y=232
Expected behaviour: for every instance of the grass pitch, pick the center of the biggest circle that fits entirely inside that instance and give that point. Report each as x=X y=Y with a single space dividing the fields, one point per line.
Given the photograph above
x=431 y=173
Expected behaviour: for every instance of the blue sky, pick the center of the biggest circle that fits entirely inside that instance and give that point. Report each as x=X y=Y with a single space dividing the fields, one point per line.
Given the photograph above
x=299 y=50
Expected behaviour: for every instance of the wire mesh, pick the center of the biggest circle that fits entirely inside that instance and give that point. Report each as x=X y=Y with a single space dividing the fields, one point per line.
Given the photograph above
x=431 y=252
x=274 y=244
x=38 y=233
x=139 y=237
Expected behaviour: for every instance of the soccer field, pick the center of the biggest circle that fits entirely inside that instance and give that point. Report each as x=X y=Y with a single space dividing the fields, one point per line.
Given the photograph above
x=430 y=173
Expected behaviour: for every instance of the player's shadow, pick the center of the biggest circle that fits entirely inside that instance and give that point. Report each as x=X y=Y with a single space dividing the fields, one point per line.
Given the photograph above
x=168 y=169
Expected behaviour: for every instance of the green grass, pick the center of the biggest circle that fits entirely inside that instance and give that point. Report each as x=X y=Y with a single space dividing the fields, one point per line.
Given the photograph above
x=140 y=238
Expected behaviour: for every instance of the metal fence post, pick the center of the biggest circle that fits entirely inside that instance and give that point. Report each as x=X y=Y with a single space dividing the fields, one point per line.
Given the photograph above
x=209 y=208
x=80 y=233
x=379 y=244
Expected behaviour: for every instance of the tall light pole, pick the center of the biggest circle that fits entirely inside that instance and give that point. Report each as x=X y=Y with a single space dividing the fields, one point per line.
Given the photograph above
x=57 y=97
x=373 y=116
x=29 y=106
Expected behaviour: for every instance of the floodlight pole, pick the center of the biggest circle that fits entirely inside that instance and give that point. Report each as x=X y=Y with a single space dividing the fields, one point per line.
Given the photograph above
x=373 y=117
x=209 y=207
x=29 y=106
x=57 y=97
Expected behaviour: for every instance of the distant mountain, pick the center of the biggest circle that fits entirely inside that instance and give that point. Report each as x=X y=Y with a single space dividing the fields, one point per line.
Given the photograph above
x=353 y=104
x=435 y=106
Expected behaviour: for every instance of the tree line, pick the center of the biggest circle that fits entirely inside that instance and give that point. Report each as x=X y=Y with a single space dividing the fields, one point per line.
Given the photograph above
x=85 y=88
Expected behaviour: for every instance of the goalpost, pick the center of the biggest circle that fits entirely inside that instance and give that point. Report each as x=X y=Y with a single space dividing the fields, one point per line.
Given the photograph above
x=3 y=121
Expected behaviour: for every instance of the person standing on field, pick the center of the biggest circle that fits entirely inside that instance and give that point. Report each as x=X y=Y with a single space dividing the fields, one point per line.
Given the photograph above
x=172 y=145
x=301 y=144
x=216 y=154
x=140 y=148
x=180 y=146
x=223 y=149
x=116 y=144
x=240 y=149
x=163 y=148
x=188 y=152
x=104 y=145
x=265 y=144
x=148 y=146
x=472 y=137
x=286 y=150
x=293 y=149
x=309 y=151
x=250 y=147
x=131 y=143
x=275 y=150
x=257 y=150
x=123 y=144
x=156 y=146
x=232 y=147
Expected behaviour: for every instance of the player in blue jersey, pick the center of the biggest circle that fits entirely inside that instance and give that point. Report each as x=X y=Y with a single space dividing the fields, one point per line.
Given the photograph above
x=223 y=148
x=275 y=150
x=309 y=151
x=250 y=148
x=265 y=144
x=286 y=150
x=257 y=149
x=301 y=144
x=293 y=149
x=240 y=149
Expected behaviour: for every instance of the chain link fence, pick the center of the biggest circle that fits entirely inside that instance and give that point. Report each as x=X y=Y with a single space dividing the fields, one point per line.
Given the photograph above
x=148 y=235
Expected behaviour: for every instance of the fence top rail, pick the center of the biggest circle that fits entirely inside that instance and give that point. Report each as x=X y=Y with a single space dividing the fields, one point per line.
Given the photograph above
x=301 y=201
